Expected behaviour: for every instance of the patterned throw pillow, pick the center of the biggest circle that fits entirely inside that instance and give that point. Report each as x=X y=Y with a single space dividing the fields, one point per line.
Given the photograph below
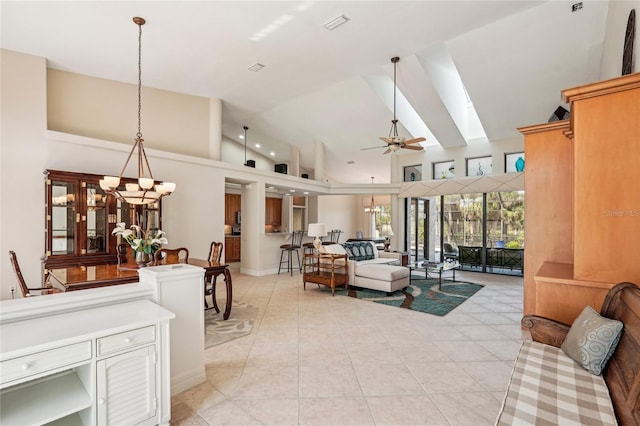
x=592 y=340
x=359 y=250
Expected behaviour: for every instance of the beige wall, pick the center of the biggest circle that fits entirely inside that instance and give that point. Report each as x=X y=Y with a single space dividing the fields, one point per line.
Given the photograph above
x=106 y=109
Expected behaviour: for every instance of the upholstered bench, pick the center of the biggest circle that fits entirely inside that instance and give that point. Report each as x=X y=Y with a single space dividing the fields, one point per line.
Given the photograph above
x=548 y=386
x=382 y=277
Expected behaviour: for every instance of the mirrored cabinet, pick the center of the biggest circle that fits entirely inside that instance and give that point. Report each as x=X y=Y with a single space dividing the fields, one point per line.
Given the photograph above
x=80 y=217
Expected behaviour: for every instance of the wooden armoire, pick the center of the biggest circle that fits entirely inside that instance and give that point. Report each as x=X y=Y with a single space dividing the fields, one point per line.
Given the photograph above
x=582 y=213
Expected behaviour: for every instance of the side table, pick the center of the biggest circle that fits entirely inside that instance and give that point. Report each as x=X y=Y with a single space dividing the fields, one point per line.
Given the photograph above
x=325 y=269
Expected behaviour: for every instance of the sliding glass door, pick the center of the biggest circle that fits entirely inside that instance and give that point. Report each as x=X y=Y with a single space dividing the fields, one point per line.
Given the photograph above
x=482 y=230
x=417 y=220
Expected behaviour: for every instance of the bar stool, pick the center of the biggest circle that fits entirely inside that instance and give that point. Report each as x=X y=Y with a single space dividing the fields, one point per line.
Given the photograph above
x=295 y=245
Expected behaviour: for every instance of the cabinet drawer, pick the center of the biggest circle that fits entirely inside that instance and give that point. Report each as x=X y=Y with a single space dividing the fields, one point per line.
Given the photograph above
x=29 y=365
x=128 y=339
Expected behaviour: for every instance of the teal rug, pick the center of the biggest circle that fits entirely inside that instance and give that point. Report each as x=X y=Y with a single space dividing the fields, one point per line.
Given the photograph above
x=422 y=295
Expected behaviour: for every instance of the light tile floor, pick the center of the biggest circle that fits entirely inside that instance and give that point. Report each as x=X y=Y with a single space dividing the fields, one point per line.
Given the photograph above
x=314 y=359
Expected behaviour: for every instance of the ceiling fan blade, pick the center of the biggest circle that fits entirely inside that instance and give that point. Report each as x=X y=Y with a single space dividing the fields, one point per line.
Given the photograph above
x=415 y=148
x=416 y=140
x=388 y=150
x=387 y=140
x=373 y=147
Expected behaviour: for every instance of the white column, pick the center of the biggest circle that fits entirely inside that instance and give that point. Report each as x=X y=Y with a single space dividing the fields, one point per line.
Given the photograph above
x=318 y=171
x=295 y=161
x=215 y=128
x=180 y=289
x=253 y=195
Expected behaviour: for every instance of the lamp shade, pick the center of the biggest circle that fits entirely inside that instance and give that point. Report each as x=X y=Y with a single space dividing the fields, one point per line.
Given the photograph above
x=386 y=230
x=317 y=230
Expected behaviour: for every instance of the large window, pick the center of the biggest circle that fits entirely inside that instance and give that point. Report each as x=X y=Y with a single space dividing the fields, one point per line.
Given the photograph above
x=485 y=223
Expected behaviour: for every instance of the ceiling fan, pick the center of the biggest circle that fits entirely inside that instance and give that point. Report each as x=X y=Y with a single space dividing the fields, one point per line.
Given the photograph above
x=395 y=142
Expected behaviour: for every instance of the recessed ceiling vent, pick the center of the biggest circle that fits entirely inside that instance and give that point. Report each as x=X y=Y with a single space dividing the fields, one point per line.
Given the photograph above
x=336 y=22
x=256 y=67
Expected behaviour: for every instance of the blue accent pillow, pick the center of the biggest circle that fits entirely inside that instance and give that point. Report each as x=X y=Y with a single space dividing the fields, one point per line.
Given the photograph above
x=592 y=339
x=359 y=250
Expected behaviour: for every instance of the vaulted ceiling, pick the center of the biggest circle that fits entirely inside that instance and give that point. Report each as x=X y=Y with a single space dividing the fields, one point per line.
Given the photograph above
x=468 y=71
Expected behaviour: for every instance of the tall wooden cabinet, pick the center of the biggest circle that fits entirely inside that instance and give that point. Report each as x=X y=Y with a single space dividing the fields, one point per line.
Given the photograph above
x=80 y=217
x=583 y=200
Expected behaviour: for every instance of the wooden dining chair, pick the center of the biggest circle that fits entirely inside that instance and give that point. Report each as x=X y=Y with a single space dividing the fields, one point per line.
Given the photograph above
x=178 y=255
x=26 y=290
x=125 y=255
x=215 y=255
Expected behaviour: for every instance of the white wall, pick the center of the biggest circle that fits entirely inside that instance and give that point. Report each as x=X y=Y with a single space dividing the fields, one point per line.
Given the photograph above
x=340 y=212
x=193 y=215
x=614 y=39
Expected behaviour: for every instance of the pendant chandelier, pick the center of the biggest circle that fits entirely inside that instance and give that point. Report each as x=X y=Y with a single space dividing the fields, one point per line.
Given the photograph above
x=372 y=207
x=146 y=191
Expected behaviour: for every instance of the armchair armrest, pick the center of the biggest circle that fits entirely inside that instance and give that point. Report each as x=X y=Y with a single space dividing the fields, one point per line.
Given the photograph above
x=545 y=330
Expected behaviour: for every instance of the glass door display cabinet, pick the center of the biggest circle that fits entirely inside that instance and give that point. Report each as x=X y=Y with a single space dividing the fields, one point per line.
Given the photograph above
x=80 y=217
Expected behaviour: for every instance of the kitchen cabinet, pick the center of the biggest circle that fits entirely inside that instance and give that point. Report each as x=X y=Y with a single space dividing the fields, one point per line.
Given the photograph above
x=273 y=211
x=232 y=205
x=80 y=217
x=232 y=249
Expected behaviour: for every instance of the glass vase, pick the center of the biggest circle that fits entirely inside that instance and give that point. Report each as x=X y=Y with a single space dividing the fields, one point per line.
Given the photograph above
x=143 y=259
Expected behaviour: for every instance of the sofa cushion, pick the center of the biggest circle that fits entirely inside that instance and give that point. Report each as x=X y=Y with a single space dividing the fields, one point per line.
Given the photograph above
x=382 y=272
x=359 y=250
x=592 y=340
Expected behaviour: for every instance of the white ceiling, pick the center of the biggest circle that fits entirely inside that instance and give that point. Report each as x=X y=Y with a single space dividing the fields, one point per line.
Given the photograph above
x=513 y=57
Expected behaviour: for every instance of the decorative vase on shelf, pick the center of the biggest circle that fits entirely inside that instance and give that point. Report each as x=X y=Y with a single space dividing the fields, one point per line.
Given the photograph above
x=520 y=164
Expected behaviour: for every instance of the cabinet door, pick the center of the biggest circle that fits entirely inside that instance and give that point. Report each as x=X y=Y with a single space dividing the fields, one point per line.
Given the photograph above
x=236 y=249
x=94 y=221
x=273 y=211
x=62 y=213
x=232 y=205
x=126 y=387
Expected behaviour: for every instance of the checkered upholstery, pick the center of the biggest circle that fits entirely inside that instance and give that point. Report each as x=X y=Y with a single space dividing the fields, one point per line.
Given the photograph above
x=549 y=388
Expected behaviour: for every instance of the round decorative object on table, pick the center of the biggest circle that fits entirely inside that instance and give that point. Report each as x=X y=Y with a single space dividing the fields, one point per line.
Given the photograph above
x=520 y=164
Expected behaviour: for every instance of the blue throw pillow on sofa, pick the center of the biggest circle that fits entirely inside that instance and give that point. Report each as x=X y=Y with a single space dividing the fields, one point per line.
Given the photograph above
x=359 y=250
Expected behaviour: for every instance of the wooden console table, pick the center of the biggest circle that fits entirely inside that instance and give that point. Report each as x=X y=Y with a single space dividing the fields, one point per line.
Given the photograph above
x=322 y=269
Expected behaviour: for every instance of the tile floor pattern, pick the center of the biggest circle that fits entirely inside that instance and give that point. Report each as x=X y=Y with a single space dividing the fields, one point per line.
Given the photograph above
x=314 y=359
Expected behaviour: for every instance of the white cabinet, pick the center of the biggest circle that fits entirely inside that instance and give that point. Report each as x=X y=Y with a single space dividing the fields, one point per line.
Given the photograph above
x=94 y=366
x=127 y=388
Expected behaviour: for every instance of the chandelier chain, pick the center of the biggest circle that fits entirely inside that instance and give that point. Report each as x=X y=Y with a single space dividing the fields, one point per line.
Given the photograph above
x=139 y=134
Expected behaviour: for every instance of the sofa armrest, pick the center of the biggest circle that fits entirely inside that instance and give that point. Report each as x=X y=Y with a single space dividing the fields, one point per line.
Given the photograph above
x=389 y=255
x=545 y=330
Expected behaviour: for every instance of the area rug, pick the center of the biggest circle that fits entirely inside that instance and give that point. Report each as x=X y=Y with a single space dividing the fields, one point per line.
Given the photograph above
x=422 y=295
x=239 y=324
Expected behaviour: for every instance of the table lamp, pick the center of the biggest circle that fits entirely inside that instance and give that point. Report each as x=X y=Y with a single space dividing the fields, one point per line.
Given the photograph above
x=387 y=233
x=317 y=230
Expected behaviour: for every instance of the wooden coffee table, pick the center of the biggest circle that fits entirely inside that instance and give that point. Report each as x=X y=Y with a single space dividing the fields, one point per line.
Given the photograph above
x=430 y=267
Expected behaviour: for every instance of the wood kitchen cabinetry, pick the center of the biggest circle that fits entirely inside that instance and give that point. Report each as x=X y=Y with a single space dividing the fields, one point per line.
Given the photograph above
x=273 y=211
x=80 y=217
x=232 y=206
x=232 y=249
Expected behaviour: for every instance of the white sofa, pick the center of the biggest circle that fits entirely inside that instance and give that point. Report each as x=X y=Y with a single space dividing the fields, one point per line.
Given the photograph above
x=374 y=272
